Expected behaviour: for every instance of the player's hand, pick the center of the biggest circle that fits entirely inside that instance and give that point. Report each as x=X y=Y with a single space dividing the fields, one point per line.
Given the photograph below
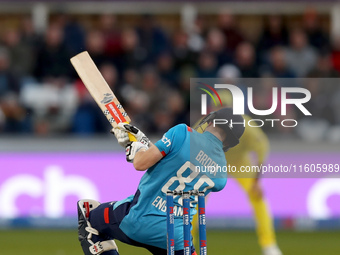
x=122 y=136
x=132 y=149
x=140 y=136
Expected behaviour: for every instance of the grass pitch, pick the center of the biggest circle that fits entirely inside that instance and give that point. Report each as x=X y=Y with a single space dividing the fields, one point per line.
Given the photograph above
x=64 y=242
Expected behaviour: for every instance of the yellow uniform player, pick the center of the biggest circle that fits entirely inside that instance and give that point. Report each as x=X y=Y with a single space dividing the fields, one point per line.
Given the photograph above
x=253 y=142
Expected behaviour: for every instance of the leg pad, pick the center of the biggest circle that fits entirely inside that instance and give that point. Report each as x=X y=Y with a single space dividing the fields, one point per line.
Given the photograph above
x=87 y=235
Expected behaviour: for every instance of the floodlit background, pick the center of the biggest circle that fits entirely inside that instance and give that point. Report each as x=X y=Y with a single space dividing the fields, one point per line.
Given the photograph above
x=55 y=146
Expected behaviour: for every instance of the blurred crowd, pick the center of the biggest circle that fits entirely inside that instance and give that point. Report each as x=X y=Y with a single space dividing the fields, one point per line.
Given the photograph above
x=149 y=69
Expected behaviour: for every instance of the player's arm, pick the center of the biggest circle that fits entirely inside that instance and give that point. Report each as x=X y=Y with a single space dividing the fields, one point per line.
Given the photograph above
x=262 y=148
x=146 y=158
x=142 y=153
x=257 y=142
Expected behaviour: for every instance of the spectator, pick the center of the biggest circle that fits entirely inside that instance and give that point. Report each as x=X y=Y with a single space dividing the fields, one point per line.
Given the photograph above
x=183 y=55
x=316 y=37
x=88 y=119
x=245 y=60
x=136 y=101
x=110 y=75
x=53 y=59
x=216 y=44
x=274 y=33
x=12 y=113
x=226 y=23
x=152 y=39
x=2 y=118
x=8 y=81
x=95 y=45
x=319 y=104
x=335 y=54
x=176 y=107
x=184 y=84
x=53 y=104
x=157 y=93
x=131 y=84
x=132 y=55
x=166 y=70
x=155 y=72
x=111 y=35
x=207 y=65
x=229 y=73
x=163 y=119
x=21 y=54
x=152 y=84
x=87 y=115
x=300 y=56
x=74 y=34
x=196 y=36
x=324 y=68
x=28 y=34
x=278 y=66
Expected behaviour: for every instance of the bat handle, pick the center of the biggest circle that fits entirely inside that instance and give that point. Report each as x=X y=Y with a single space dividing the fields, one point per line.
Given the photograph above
x=132 y=138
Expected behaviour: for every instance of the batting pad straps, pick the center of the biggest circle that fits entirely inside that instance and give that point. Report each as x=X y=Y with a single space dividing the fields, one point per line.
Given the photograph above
x=100 y=247
x=92 y=230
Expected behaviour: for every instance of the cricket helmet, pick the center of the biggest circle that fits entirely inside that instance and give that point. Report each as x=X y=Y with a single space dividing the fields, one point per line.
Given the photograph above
x=234 y=127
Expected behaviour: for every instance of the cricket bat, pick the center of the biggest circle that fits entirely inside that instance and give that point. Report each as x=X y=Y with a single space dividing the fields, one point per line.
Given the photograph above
x=100 y=90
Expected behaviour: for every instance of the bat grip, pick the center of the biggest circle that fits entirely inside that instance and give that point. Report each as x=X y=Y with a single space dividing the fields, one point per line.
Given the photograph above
x=132 y=138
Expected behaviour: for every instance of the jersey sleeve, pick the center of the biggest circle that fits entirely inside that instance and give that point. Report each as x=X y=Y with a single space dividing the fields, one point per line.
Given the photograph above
x=172 y=139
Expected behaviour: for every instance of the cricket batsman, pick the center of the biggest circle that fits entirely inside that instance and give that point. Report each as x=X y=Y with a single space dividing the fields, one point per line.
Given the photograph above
x=171 y=164
x=253 y=141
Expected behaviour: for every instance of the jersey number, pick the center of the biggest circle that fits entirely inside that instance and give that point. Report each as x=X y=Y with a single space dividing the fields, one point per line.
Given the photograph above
x=183 y=181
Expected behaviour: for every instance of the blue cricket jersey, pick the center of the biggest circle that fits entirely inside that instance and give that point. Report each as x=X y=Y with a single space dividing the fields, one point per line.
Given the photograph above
x=188 y=163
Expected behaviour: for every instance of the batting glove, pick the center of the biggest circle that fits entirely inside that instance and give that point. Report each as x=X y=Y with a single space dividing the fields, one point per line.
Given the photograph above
x=122 y=136
x=132 y=149
x=140 y=136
